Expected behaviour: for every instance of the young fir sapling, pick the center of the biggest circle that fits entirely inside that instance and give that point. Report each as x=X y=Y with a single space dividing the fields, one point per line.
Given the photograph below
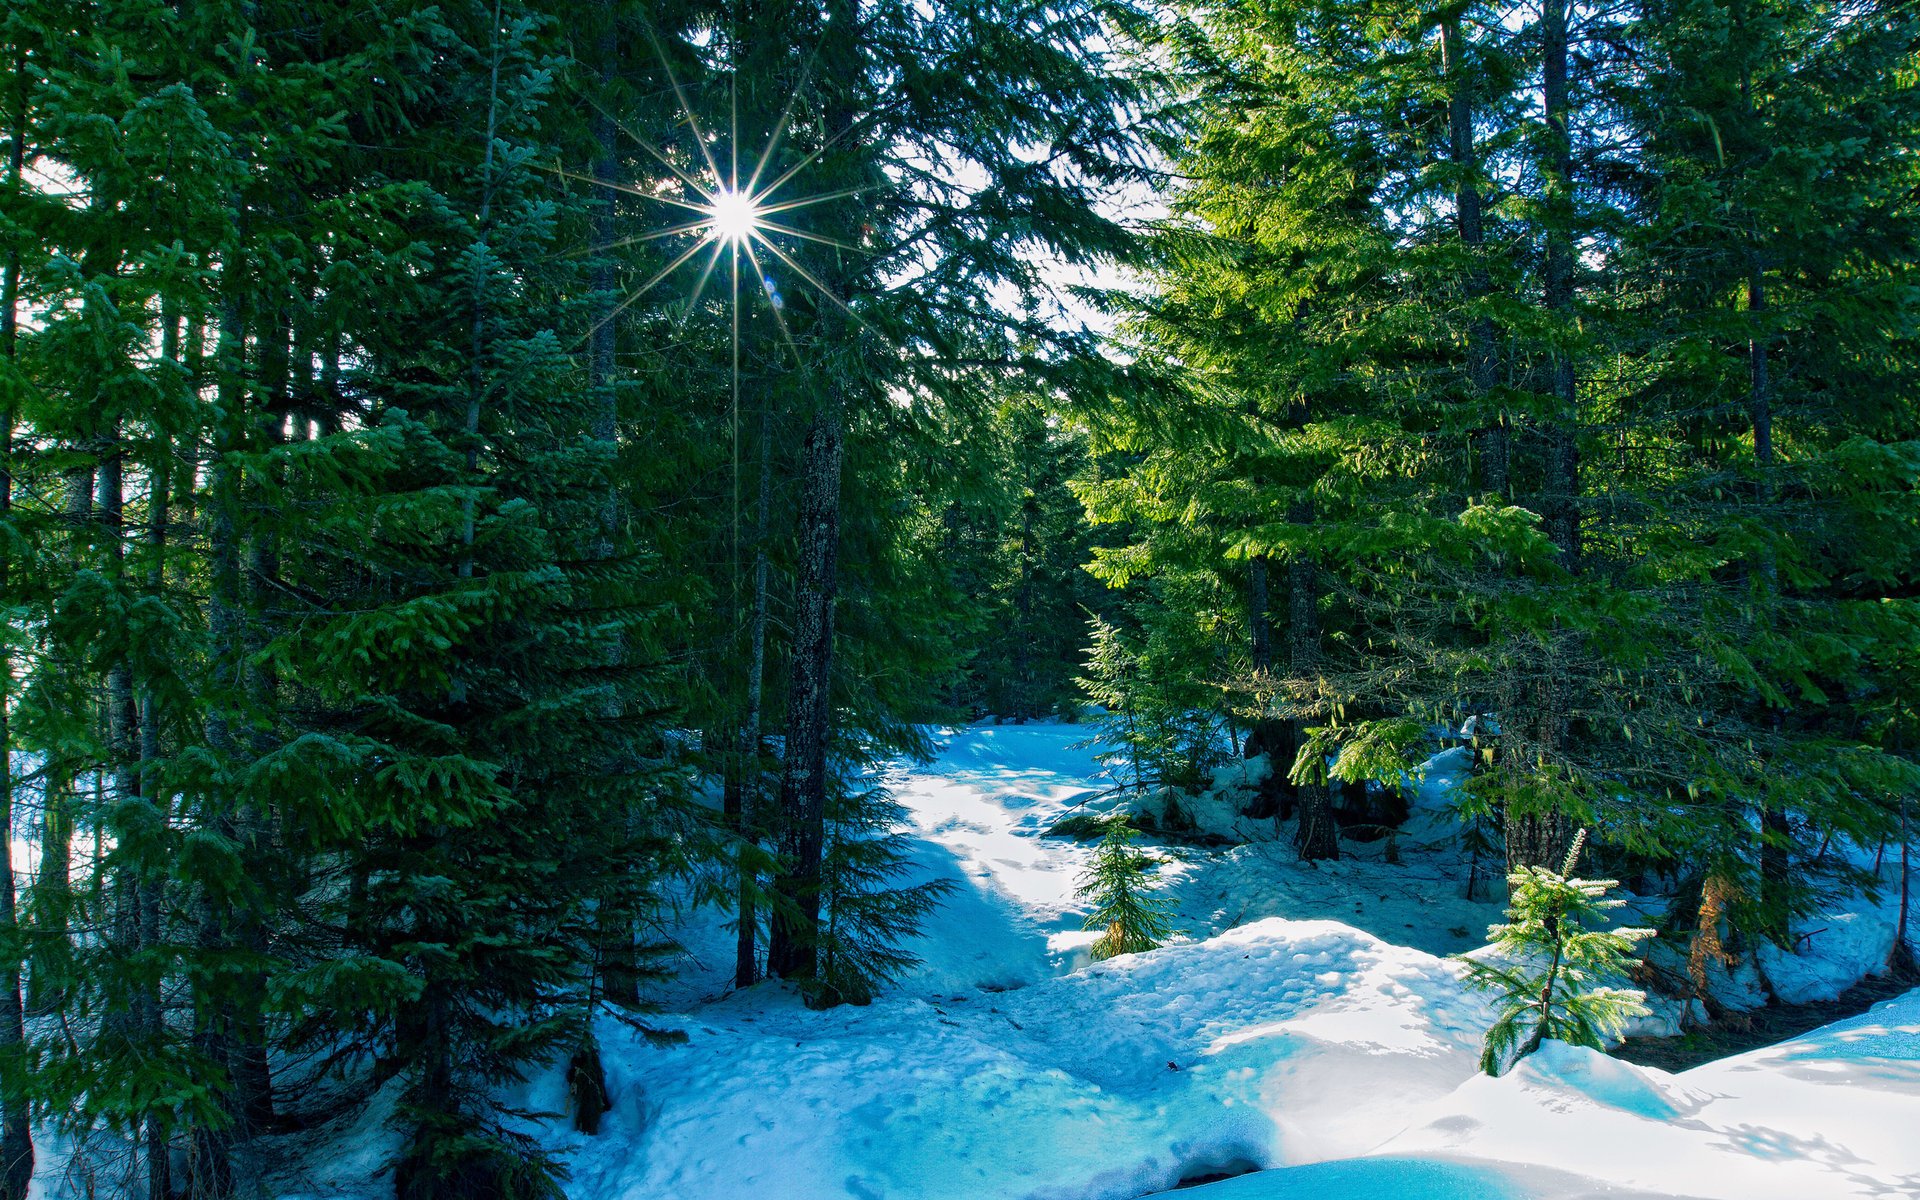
x=1552 y=959
x=1127 y=904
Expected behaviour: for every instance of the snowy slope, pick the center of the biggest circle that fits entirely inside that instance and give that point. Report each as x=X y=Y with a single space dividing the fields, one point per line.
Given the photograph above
x=1304 y=1028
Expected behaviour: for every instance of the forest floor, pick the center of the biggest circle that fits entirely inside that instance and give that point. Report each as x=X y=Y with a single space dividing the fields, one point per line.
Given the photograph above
x=1305 y=1035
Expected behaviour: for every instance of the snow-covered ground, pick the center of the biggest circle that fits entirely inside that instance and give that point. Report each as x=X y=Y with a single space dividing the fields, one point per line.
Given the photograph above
x=1304 y=1028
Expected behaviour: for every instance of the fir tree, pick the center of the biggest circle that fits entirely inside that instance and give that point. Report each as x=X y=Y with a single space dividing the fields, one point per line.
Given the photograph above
x=1550 y=966
x=1128 y=908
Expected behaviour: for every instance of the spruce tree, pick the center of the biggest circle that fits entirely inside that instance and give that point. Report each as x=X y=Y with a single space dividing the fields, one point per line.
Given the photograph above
x=1551 y=965
x=1128 y=909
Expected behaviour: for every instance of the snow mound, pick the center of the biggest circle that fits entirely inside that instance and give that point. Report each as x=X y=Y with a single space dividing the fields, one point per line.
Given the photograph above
x=1278 y=1042
x=1827 y=1115
x=1834 y=951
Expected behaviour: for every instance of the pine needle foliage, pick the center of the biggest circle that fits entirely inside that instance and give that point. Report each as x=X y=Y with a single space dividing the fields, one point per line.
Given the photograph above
x=1128 y=907
x=869 y=912
x=1551 y=962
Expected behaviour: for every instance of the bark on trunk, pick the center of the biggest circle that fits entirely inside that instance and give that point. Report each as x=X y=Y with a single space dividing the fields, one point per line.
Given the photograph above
x=752 y=773
x=792 y=948
x=1469 y=213
x=1316 y=837
x=52 y=900
x=803 y=777
x=210 y=1146
x=1268 y=736
x=16 y=1139
x=1563 y=449
x=1776 y=885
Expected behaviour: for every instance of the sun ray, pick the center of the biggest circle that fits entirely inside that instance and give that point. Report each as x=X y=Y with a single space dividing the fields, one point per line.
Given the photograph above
x=693 y=122
x=658 y=155
x=700 y=285
x=808 y=201
x=811 y=237
x=822 y=288
x=778 y=133
x=642 y=290
x=640 y=238
x=814 y=155
x=616 y=185
x=773 y=303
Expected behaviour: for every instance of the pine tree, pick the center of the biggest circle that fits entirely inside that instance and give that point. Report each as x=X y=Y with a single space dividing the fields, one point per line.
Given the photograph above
x=1128 y=908
x=1551 y=965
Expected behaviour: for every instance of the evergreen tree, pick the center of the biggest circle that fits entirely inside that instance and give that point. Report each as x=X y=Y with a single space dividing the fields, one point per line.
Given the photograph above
x=1128 y=909
x=1550 y=965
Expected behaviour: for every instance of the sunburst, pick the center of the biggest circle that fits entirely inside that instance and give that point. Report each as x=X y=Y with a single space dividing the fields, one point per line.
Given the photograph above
x=726 y=214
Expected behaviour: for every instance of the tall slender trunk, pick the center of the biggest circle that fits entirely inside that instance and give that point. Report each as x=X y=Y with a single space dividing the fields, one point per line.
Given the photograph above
x=803 y=777
x=477 y=366
x=1316 y=837
x=16 y=1139
x=1469 y=213
x=1539 y=837
x=752 y=768
x=252 y=1076
x=619 y=968
x=1269 y=736
x=1563 y=448
x=52 y=899
x=133 y=883
x=792 y=949
x=1775 y=864
x=152 y=899
x=210 y=1149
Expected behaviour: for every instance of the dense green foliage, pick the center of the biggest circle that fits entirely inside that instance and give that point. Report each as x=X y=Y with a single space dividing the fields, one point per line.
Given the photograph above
x=408 y=569
x=1541 y=368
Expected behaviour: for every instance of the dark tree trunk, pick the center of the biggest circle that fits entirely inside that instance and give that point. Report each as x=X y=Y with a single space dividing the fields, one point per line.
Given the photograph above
x=16 y=1138
x=792 y=950
x=1776 y=884
x=1316 y=837
x=210 y=1149
x=1469 y=213
x=803 y=777
x=53 y=887
x=752 y=773
x=1268 y=736
x=1563 y=449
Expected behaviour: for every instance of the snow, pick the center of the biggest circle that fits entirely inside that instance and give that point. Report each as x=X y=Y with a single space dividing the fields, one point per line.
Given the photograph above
x=1842 y=948
x=1826 y=1115
x=1305 y=1026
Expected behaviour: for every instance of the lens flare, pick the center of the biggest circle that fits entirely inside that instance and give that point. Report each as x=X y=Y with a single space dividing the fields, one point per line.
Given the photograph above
x=733 y=216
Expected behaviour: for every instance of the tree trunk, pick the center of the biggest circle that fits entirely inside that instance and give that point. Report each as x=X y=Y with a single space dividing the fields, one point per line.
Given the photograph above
x=619 y=965
x=1268 y=736
x=1776 y=885
x=1563 y=449
x=52 y=901
x=1316 y=837
x=803 y=776
x=16 y=1138
x=752 y=774
x=792 y=948
x=152 y=898
x=1468 y=212
x=210 y=1148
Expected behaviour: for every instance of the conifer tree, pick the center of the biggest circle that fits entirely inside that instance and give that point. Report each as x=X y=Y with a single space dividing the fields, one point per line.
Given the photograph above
x=1128 y=908
x=1551 y=965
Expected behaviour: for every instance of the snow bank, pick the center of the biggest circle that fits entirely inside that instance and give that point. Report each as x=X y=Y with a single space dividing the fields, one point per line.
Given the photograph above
x=1341 y=1062
x=1827 y=1115
x=1279 y=1042
x=1832 y=952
